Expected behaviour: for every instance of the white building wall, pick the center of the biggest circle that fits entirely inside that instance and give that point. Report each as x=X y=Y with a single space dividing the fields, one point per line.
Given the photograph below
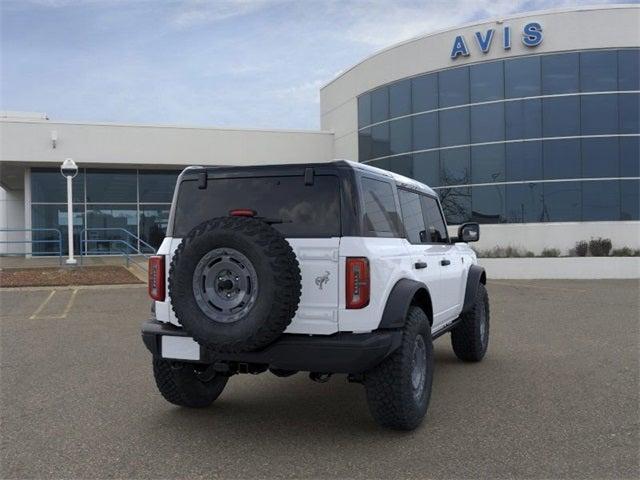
x=11 y=217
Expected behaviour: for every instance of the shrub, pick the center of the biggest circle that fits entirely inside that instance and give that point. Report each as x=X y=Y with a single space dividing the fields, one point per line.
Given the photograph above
x=550 y=252
x=505 y=252
x=625 y=252
x=581 y=248
x=600 y=247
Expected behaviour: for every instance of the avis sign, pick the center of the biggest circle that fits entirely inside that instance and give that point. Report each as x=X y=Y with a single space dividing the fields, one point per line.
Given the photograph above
x=531 y=37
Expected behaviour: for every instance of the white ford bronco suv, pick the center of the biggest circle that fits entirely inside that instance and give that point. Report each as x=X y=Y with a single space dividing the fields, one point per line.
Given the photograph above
x=324 y=268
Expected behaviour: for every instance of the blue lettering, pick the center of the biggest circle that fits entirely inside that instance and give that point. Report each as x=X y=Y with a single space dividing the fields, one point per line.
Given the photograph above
x=485 y=43
x=506 y=38
x=532 y=35
x=459 y=48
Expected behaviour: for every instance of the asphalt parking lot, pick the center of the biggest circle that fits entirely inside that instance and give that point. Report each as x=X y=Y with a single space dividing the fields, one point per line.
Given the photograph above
x=556 y=397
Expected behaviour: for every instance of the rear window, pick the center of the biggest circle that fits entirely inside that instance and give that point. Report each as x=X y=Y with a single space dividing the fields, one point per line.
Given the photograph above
x=304 y=210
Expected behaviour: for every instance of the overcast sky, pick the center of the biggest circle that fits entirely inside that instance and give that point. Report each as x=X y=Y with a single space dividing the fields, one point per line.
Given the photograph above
x=243 y=63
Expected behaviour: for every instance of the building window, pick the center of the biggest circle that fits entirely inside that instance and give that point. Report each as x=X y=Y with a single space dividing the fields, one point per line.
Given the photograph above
x=400 y=99
x=524 y=203
x=630 y=200
x=487 y=204
x=456 y=204
x=600 y=201
x=379 y=105
x=426 y=168
x=599 y=114
x=629 y=113
x=400 y=135
x=562 y=201
x=111 y=186
x=157 y=186
x=487 y=123
x=364 y=110
x=487 y=164
x=561 y=116
x=424 y=93
x=454 y=165
x=487 y=81
x=630 y=156
x=600 y=157
x=523 y=161
x=561 y=159
x=453 y=87
x=629 y=69
x=560 y=73
x=523 y=119
x=55 y=217
x=49 y=186
x=598 y=71
x=522 y=77
x=425 y=131
x=454 y=127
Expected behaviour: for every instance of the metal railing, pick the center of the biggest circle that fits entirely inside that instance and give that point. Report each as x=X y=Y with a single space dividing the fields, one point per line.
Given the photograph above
x=129 y=246
x=31 y=241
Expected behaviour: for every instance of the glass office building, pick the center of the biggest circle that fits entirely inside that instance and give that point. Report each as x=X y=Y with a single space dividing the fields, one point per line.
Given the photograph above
x=108 y=203
x=539 y=138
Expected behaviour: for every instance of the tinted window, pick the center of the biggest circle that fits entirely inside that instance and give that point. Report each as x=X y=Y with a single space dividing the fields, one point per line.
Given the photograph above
x=560 y=73
x=487 y=123
x=600 y=157
x=364 y=110
x=412 y=216
x=400 y=99
x=119 y=219
x=629 y=70
x=488 y=204
x=523 y=119
x=524 y=203
x=48 y=185
x=453 y=87
x=456 y=203
x=157 y=187
x=305 y=210
x=630 y=157
x=454 y=127
x=437 y=232
x=630 y=200
x=400 y=135
x=487 y=164
x=487 y=81
x=454 y=164
x=561 y=159
x=562 y=201
x=599 y=114
x=629 y=113
x=600 y=201
x=52 y=216
x=380 y=140
x=380 y=215
x=112 y=186
x=425 y=131
x=598 y=71
x=426 y=168
x=523 y=161
x=522 y=77
x=424 y=93
x=365 y=146
x=379 y=105
x=561 y=116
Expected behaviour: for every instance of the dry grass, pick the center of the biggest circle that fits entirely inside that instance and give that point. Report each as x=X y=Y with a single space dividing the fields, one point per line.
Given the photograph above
x=58 y=276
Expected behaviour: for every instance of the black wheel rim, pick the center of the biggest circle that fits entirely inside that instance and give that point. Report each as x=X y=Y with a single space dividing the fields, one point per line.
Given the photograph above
x=225 y=285
x=419 y=367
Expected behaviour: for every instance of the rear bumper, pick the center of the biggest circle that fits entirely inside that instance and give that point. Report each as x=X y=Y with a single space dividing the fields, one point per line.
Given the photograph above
x=337 y=353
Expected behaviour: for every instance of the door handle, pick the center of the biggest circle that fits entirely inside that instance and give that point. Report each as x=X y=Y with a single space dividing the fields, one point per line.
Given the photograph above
x=420 y=265
x=444 y=263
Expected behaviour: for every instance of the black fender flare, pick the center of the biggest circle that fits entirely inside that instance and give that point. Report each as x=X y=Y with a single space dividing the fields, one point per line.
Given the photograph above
x=476 y=276
x=400 y=299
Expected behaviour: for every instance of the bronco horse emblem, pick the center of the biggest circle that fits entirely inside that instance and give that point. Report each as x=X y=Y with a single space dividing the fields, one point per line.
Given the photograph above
x=322 y=279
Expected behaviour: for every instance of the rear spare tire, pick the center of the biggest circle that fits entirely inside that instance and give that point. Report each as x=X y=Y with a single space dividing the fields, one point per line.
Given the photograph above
x=234 y=284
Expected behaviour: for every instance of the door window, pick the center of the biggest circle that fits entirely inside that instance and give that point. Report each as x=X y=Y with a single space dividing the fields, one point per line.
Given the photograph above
x=412 y=217
x=380 y=215
x=436 y=229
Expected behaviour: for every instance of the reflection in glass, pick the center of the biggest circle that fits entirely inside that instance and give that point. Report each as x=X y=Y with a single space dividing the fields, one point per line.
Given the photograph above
x=400 y=99
x=412 y=217
x=456 y=204
x=454 y=127
x=425 y=131
x=599 y=114
x=365 y=146
x=487 y=123
x=600 y=200
x=400 y=135
x=523 y=119
x=116 y=218
x=453 y=87
x=364 y=110
x=630 y=200
x=600 y=157
x=157 y=186
x=630 y=157
x=426 y=168
x=487 y=81
x=562 y=201
x=523 y=161
x=402 y=165
x=487 y=164
x=112 y=186
x=629 y=113
x=561 y=159
x=379 y=104
x=561 y=116
x=49 y=186
x=424 y=93
x=55 y=216
x=454 y=164
x=629 y=69
x=522 y=77
x=598 y=71
x=488 y=204
x=560 y=73
x=380 y=140
x=524 y=203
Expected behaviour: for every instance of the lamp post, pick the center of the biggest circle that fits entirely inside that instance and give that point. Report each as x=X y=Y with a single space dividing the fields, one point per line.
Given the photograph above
x=69 y=169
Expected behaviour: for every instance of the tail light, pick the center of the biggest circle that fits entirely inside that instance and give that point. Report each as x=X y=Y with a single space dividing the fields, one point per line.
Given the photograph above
x=156 y=277
x=358 y=286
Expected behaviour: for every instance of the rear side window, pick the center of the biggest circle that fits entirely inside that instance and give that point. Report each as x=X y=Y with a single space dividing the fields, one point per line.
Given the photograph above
x=437 y=231
x=380 y=214
x=414 y=221
x=300 y=210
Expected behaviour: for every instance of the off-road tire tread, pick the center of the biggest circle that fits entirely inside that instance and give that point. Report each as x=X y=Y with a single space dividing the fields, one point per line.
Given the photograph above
x=465 y=337
x=282 y=261
x=166 y=382
x=390 y=401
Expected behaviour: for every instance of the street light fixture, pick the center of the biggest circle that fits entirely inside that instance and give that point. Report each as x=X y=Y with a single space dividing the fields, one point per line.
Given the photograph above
x=69 y=169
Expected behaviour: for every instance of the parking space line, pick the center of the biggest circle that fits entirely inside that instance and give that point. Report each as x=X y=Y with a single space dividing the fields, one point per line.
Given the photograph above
x=42 y=305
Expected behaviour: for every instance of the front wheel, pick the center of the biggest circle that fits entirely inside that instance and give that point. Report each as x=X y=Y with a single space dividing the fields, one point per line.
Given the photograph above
x=470 y=338
x=399 y=388
x=180 y=384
